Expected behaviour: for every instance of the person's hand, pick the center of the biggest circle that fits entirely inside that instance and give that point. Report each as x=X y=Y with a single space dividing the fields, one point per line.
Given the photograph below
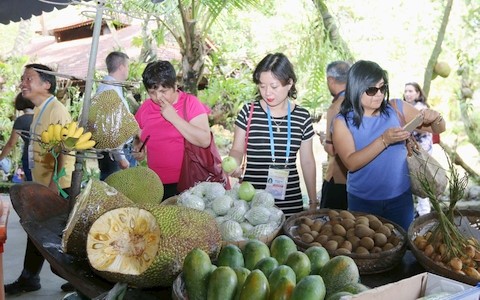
x=167 y=110
x=394 y=135
x=430 y=116
x=313 y=206
x=237 y=173
x=124 y=164
x=138 y=155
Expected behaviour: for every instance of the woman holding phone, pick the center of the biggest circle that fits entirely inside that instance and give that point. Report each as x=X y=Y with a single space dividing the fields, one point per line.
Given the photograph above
x=370 y=141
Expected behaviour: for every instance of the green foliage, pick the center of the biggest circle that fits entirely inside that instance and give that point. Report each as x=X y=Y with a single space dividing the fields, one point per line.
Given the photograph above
x=229 y=87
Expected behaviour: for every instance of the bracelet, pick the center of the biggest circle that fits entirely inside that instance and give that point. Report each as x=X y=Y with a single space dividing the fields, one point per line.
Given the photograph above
x=384 y=143
x=328 y=142
x=438 y=120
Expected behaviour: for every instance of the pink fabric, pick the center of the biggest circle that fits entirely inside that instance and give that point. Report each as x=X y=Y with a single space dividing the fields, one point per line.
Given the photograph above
x=165 y=147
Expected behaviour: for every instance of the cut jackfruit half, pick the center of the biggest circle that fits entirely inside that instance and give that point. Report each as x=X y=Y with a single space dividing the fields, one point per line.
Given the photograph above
x=123 y=240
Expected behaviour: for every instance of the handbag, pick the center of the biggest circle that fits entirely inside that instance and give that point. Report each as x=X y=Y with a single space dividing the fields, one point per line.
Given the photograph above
x=201 y=164
x=425 y=171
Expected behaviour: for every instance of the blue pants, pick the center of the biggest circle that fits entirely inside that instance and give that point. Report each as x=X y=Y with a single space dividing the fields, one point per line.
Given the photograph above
x=398 y=210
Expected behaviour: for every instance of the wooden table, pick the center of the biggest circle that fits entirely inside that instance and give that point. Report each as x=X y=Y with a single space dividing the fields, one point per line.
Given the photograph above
x=44 y=219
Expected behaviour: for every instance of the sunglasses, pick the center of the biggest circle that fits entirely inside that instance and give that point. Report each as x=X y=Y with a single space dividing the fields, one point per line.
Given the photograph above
x=372 y=91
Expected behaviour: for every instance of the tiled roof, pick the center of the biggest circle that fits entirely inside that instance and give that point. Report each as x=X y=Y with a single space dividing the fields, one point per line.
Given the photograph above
x=72 y=57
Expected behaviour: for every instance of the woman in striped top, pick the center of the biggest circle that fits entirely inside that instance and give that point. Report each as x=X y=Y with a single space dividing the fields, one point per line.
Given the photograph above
x=278 y=130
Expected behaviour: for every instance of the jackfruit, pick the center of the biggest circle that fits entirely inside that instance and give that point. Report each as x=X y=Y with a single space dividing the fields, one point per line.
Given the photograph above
x=140 y=184
x=110 y=122
x=95 y=199
x=121 y=243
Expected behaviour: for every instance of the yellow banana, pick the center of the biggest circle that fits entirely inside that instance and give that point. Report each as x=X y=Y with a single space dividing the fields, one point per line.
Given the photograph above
x=72 y=127
x=78 y=132
x=85 y=137
x=44 y=137
x=50 y=132
x=64 y=133
x=85 y=145
x=57 y=132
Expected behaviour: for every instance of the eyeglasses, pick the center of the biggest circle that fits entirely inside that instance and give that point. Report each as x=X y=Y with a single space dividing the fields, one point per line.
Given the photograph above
x=372 y=91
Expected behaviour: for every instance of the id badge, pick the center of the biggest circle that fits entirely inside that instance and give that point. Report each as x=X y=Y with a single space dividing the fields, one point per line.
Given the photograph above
x=31 y=162
x=277 y=182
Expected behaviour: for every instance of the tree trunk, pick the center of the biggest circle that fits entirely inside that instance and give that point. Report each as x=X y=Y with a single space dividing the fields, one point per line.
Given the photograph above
x=332 y=30
x=437 y=49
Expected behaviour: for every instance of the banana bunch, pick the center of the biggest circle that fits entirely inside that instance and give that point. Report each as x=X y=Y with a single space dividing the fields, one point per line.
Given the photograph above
x=70 y=137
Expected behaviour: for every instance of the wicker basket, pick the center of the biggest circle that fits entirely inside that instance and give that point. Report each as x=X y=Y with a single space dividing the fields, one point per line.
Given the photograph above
x=367 y=263
x=422 y=225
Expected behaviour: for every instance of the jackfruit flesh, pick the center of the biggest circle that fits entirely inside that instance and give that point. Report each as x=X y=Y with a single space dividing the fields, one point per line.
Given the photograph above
x=140 y=184
x=110 y=122
x=94 y=200
x=124 y=239
x=181 y=229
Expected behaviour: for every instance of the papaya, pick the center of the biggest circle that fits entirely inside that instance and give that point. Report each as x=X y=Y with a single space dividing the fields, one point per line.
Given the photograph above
x=230 y=255
x=242 y=274
x=338 y=272
x=279 y=273
x=255 y=287
x=300 y=264
x=196 y=271
x=318 y=258
x=253 y=252
x=222 y=284
x=309 y=288
x=267 y=265
x=281 y=247
x=283 y=289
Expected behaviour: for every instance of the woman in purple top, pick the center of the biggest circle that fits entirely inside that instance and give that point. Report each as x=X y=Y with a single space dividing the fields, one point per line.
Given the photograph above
x=371 y=143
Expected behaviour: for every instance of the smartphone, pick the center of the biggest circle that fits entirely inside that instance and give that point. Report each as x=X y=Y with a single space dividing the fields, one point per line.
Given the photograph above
x=414 y=123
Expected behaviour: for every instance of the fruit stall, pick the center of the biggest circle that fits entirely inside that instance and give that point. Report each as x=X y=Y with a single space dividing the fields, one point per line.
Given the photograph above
x=291 y=244
x=119 y=237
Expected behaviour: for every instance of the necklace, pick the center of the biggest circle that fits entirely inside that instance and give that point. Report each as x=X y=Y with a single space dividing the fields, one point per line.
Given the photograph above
x=277 y=125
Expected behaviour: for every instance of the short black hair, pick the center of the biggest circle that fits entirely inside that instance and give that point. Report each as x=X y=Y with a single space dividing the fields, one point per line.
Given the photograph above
x=159 y=73
x=114 y=60
x=46 y=77
x=281 y=68
x=22 y=103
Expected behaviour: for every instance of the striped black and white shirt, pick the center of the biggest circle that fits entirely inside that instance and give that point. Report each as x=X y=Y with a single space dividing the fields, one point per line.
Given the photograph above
x=259 y=157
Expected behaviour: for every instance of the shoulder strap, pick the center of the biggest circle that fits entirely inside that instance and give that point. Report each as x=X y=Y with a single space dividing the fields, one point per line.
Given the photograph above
x=248 y=124
x=185 y=108
x=400 y=116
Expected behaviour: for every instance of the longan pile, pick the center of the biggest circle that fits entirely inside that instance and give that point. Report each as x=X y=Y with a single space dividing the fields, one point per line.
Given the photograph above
x=343 y=233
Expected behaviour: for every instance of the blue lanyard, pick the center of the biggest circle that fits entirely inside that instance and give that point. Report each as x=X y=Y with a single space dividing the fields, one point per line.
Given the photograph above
x=289 y=133
x=40 y=115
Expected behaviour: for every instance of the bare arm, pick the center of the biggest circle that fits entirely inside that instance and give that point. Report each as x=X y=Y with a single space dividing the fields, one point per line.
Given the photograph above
x=309 y=171
x=197 y=131
x=331 y=113
x=432 y=120
x=353 y=159
x=238 y=150
x=12 y=141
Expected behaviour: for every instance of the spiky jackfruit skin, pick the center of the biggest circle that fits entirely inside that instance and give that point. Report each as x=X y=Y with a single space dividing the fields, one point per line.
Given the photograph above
x=95 y=199
x=110 y=122
x=181 y=230
x=140 y=184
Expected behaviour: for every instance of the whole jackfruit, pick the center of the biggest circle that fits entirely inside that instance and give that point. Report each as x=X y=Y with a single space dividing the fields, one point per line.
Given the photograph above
x=146 y=247
x=95 y=199
x=110 y=122
x=140 y=184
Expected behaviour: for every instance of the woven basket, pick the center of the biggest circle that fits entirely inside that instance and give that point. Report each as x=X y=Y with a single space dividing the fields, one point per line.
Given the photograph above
x=367 y=263
x=422 y=225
